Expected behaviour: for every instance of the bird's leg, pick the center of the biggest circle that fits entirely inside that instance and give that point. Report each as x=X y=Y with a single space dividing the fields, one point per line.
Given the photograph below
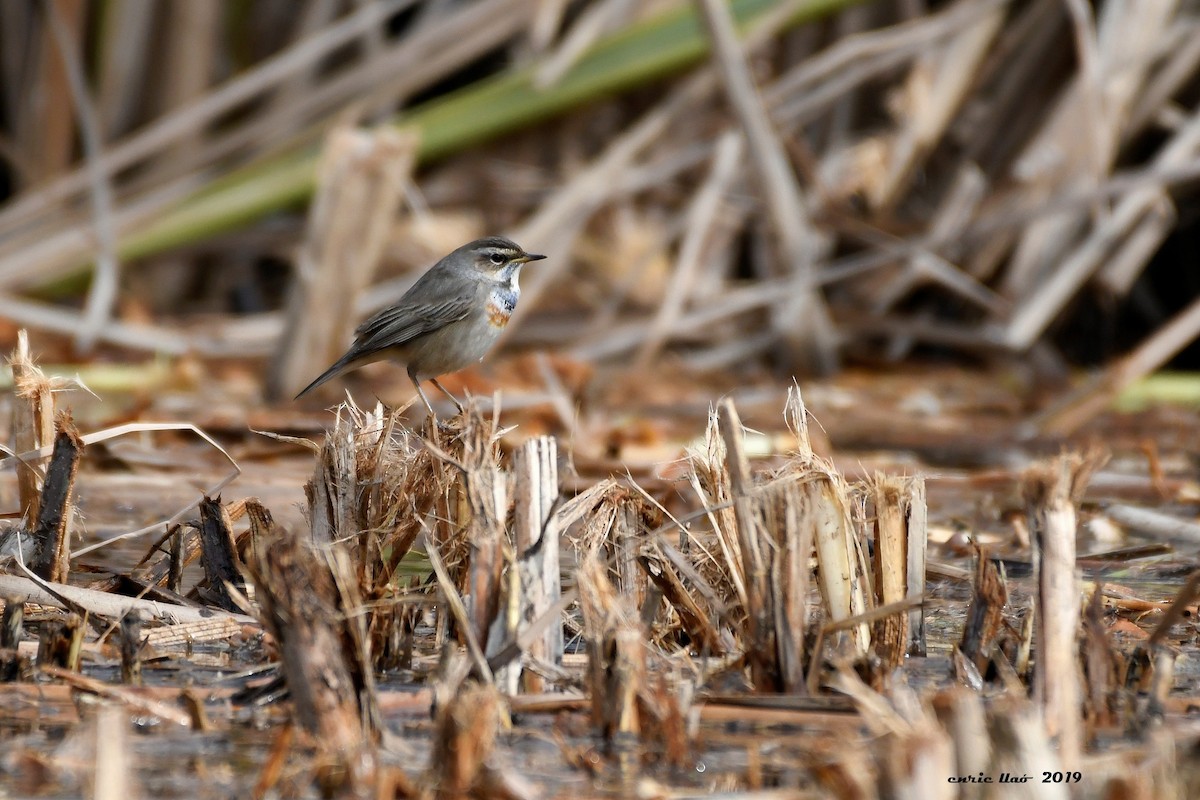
x=417 y=383
x=453 y=399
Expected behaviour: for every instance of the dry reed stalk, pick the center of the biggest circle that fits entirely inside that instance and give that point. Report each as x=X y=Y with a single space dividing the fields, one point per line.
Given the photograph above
x=628 y=530
x=699 y=618
x=703 y=218
x=1117 y=69
x=841 y=564
x=102 y=294
x=480 y=519
x=961 y=714
x=1100 y=668
x=32 y=423
x=938 y=83
x=49 y=131
x=130 y=643
x=536 y=496
x=615 y=524
x=709 y=478
x=1051 y=490
x=916 y=521
x=12 y=628
x=759 y=644
x=173 y=575
x=106 y=604
x=467 y=726
x=112 y=772
x=1020 y=746
x=303 y=608
x=894 y=499
x=916 y=763
x=59 y=643
x=789 y=548
x=52 y=533
x=360 y=184
x=192 y=41
x=985 y=614
x=218 y=554
x=163 y=566
x=616 y=648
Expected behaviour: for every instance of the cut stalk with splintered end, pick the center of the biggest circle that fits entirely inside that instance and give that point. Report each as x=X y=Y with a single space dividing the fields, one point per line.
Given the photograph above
x=535 y=475
x=891 y=566
x=616 y=651
x=961 y=713
x=985 y=612
x=32 y=422
x=331 y=688
x=1051 y=489
x=466 y=735
x=917 y=541
x=51 y=559
x=841 y=564
x=1020 y=746
x=764 y=536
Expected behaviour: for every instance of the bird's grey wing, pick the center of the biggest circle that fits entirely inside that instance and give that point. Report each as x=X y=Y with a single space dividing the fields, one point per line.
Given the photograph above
x=400 y=324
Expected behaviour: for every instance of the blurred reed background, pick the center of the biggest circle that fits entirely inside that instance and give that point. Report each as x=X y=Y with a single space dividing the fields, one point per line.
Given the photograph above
x=1011 y=180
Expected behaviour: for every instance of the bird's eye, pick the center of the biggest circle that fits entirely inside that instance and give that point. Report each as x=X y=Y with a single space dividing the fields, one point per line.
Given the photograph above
x=497 y=259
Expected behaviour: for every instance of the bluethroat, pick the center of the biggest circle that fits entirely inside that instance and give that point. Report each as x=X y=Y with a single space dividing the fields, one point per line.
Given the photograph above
x=448 y=320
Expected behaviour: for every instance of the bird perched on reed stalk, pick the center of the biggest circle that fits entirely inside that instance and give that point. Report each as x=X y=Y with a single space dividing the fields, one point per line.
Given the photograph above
x=448 y=320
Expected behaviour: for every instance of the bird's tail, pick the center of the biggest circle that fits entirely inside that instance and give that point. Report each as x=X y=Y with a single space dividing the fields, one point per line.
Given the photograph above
x=338 y=367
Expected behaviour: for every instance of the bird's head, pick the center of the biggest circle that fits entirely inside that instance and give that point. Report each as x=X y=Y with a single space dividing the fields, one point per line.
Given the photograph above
x=498 y=257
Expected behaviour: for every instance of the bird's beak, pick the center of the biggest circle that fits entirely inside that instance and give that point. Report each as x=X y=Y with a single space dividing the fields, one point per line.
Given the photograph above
x=530 y=257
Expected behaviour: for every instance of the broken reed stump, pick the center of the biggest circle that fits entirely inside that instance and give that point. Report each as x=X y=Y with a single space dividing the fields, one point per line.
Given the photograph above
x=465 y=736
x=961 y=712
x=303 y=610
x=12 y=626
x=1051 y=490
x=60 y=642
x=842 y=568
x=374 y=489
x=774 y=537
x=900 y=540
x=536 y=492
x=985 y=612
x=482 y=509
x=616 y=649
x=218 y=554
x=460 y=479
x=1150 y=668
x=51 y=558
x=628 y=704
x=175 y=559
x=130 y=646
x=766 y=529
x=32 y=423
x=112 y=771
x=1102 y=694
x=700 y=615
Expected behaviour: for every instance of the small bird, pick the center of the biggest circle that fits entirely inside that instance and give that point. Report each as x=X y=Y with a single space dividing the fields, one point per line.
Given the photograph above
x=448 y=320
